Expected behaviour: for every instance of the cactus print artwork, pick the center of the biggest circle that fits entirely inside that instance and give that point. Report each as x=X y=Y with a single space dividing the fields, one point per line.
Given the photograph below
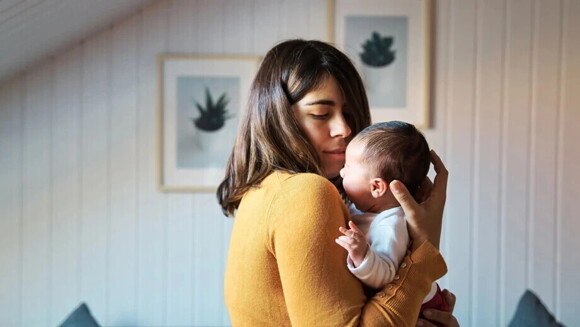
x=213 y=116
x=377 y=51
x=208 y=110
x=378 y=46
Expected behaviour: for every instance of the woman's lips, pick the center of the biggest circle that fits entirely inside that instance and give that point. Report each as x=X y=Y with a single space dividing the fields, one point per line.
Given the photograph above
x=335 y=154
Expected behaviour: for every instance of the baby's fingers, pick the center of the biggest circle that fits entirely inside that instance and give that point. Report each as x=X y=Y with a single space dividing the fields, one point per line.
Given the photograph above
x=341 y=241
x=354 y=227
x=348 y=240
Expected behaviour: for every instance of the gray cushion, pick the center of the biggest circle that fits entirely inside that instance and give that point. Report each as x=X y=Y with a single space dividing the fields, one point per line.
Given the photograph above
x=531 y=312
x=81 y=317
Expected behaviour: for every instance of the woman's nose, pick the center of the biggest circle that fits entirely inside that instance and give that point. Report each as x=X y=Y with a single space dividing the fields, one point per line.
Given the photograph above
x=340 y=127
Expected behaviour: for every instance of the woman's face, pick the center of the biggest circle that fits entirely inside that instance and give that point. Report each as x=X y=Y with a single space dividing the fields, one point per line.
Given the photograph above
x=321 y=116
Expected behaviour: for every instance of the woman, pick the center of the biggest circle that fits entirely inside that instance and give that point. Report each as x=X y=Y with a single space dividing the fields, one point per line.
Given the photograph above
x=282 y=182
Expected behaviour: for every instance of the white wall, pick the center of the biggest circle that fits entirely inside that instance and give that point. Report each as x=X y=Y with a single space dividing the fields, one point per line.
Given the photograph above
x=81 y=220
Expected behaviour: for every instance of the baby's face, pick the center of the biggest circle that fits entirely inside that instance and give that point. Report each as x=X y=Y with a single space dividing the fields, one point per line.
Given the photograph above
x=356 y=178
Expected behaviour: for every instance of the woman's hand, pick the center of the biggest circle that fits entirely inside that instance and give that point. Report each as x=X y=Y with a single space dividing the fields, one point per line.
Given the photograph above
x=440 y=318
x=424 y=220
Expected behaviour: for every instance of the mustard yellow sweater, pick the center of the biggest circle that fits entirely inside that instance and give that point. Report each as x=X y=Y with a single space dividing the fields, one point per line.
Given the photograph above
x=284 y=267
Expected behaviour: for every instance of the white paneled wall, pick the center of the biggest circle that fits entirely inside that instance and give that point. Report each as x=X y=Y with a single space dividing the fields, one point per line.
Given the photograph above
x=81 y=219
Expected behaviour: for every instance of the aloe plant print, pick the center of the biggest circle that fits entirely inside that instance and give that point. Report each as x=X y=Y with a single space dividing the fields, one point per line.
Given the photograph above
x=214 y=115
x=377 y=51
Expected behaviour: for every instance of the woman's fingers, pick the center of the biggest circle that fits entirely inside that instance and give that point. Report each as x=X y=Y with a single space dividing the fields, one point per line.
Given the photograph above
x=424 y=190
x=438 y=165
x=450 y=297
x=405 y=199
x=440 y=181
x=441 y=317
x=424 y=323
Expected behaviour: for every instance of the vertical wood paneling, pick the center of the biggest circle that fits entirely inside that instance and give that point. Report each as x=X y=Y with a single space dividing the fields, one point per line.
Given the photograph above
x=36 y=206
x=439 y=103
x=266 y=25
x=294 y=19
x=487 y=161
x=123 y=178
x=543 y=149
x=65 y=184
x=180 y=240
x=439 y=77
x=208 y=260
x=459 y=140
x=318 y=16
x=179 y=283
x=151 y=214
x=94 y=202
x=10 y=203
x=238 y=27
x=515 y=164
x=181 y=36
x=569 y=260
x=209 y=26
x=228 y=224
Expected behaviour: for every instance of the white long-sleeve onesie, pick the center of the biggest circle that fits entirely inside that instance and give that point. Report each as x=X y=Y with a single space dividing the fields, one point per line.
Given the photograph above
x=387 y=235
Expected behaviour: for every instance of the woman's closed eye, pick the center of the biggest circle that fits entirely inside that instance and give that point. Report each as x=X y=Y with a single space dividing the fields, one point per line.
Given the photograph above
x=319 y=116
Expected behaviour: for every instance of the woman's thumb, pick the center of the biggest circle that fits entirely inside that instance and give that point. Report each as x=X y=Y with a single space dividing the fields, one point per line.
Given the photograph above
x=404 y=197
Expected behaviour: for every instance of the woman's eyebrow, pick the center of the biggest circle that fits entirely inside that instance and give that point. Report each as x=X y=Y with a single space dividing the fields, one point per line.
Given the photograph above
x=321 y=102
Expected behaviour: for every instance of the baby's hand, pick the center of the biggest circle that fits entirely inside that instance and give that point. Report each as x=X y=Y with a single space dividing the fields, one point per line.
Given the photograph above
x=354 y=241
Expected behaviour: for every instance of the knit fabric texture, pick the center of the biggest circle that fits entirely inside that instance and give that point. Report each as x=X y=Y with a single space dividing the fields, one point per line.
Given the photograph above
x=285 y=269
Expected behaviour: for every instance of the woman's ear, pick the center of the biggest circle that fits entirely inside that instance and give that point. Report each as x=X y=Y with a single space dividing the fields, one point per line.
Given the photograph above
x=379 y=187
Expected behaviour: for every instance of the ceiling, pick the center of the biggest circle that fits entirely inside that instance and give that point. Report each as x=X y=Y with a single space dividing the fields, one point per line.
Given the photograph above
x=33 y=30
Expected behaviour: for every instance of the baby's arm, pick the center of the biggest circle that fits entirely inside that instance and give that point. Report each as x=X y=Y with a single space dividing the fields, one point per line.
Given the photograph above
x=389 y=240
x=355 y=242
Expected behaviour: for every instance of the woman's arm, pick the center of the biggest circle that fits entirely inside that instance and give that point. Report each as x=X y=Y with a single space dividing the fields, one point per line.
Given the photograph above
x=317 y=286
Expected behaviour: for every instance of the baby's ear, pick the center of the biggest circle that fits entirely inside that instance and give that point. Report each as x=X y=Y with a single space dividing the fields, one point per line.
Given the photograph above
x=379 y=187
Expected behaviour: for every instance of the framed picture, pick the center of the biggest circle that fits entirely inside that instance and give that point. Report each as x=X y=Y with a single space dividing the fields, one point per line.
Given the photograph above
x=201 y=100
x=389 y=42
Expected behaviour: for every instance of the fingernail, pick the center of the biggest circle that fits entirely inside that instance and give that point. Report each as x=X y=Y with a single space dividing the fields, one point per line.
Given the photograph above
x=396 y=187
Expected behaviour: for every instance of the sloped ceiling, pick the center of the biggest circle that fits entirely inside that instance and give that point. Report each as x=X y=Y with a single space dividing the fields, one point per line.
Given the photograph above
x=33 y=30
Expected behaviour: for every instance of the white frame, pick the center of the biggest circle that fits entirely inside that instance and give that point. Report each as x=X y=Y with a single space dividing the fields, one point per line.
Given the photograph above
x=172 y=178
x=419 y=16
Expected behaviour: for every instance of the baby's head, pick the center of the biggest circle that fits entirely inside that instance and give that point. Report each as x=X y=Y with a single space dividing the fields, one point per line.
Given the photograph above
x=380 y=154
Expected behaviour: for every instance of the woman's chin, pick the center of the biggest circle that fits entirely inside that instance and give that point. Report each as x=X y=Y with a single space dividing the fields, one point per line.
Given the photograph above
x=332 y=174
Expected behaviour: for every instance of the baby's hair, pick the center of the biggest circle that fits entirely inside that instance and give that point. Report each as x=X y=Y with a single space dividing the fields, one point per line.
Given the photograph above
x=396 y=150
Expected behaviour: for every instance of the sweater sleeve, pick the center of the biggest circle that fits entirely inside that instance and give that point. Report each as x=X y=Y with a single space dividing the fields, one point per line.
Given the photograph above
x=388 y=245
x=318 y=288
x=374 y=271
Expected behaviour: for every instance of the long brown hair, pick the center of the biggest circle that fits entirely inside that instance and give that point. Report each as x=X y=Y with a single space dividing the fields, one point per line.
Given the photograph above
x=270 y=137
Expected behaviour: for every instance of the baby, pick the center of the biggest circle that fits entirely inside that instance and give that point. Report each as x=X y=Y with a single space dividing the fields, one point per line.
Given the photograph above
x=377 y=240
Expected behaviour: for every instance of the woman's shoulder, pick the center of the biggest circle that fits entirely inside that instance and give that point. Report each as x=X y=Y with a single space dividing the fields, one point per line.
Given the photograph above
x=307 y=188
x=302 y=183
x=303 y=196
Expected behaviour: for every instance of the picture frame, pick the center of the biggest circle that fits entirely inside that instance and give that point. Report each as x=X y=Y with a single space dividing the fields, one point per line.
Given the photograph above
x=389 y=42
x=201 y=101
